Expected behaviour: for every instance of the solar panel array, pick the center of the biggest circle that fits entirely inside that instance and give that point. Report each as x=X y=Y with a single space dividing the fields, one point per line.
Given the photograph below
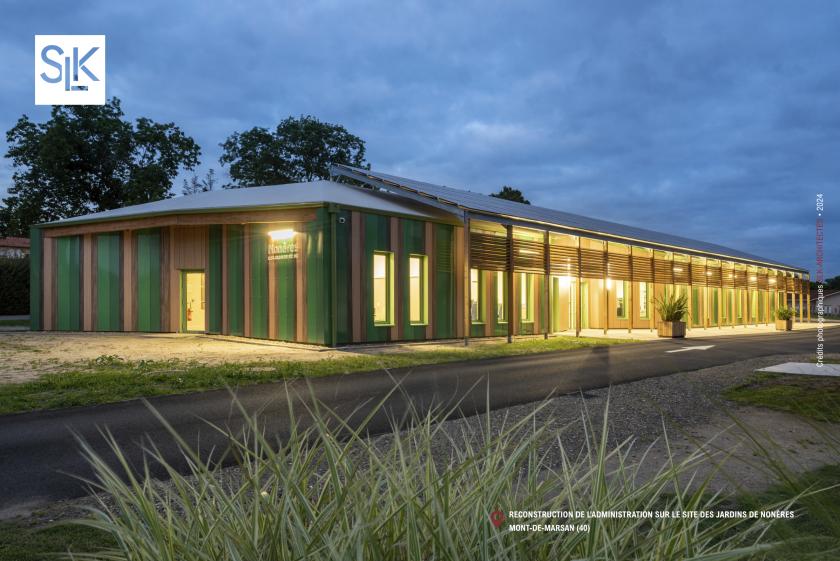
x=479 y=202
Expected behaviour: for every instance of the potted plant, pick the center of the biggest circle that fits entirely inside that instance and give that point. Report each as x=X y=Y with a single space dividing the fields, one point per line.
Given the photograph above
x=784 y=319
x=673 y=310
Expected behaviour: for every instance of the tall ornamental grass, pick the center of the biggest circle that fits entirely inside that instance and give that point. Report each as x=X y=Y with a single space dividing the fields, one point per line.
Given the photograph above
x=423 y=491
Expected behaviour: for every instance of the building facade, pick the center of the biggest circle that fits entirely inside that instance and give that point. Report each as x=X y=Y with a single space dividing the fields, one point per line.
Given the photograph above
x=386 y=259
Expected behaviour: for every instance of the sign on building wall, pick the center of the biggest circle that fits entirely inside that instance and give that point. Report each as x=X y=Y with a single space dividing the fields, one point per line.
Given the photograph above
x=279 y=250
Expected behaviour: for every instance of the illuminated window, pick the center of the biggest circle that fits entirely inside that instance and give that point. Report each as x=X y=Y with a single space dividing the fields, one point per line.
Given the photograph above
x=476 y=300
x=526 y=298
x=739 y=312
x=621 y=299
x=501 y=301
x=383 y=289
x=417 y=296
x=643 y=300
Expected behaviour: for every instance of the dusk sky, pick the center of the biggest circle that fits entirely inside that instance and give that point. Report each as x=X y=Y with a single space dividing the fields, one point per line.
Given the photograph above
x=714 y=120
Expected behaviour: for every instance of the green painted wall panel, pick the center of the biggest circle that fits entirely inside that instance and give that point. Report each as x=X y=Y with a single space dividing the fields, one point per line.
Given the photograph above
x=413 y=242
x=318 y=259
x=148 y=280
x=214 y=280
x=444 y=297
x=259 y=281
x=68 y=283
x=36 y=276
x=108 y=282
x=377 y=234
x=342 y=280
x=236 y=279
x=286 y=290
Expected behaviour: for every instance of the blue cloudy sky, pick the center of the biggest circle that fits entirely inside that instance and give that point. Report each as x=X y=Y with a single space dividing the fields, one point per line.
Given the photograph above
x=716 y=119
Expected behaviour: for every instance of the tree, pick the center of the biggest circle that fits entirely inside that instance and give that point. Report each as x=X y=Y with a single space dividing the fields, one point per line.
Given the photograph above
x=196 y=185
x=87 y=158
x=511 y=194
x=299 y=149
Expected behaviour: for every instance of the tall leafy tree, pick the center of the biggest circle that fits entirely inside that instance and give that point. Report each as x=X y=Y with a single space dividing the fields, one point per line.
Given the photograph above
x=511 y=194
x=298 y=149
x=89 y=158
x=196 y=185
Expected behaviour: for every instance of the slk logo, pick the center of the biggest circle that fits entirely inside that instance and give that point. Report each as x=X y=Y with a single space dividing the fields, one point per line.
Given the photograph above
x=69 y=70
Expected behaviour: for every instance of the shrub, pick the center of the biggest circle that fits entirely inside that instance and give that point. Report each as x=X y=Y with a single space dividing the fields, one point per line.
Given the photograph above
x=784 y=313
x=330 y=492
x=672 y=307
x=14 y=286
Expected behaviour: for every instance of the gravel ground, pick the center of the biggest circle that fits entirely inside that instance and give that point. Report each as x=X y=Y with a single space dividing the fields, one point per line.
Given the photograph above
x=689 y=405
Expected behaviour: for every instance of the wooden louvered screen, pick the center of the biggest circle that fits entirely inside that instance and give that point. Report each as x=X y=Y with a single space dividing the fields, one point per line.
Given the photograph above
x=763 y=281
x=591 y=263
x=528 y=256
x=797 y=284
x=488 y=252
x=752 y=279
x=663 y=271
x=727 y=274
x=682 y=272
x=564 y=260
x=618 y=266
x=780 y=280
x=698 y=274
x=740 y=278
x=789 y=284
x=642 y=268
x=713 y=276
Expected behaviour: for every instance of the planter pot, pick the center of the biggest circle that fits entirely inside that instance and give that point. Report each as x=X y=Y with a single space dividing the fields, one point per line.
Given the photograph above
x=671 y=329
x=784 y=324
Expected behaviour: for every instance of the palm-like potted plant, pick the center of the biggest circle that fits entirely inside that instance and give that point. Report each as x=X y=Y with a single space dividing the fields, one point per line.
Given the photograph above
x=673 y=311
x=784 y=319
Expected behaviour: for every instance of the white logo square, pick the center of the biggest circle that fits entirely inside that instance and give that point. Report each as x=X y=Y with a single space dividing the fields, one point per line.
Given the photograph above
x=69 y=70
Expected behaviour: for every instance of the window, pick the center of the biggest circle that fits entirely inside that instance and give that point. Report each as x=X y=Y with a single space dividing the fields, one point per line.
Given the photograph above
x=501 y=301
x=621 y=299
x=643 y=300
x=417 y=295
x=739 y=298
x=526 y=298
x=476 y=300
x=383 y=289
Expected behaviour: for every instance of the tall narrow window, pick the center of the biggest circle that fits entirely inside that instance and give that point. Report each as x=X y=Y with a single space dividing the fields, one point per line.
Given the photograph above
x=417 y=294
x=383 y=288
x=643 y=300
x=739 y=299
x=501 y=301
x=526 y=298
x=621 y=299
x=476 y=297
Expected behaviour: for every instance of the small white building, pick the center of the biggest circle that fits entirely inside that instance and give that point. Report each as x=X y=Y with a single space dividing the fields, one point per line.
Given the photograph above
x=831 y=303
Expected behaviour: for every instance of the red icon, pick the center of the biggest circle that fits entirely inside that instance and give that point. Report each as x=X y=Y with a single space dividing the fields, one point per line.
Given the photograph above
x=497 y=517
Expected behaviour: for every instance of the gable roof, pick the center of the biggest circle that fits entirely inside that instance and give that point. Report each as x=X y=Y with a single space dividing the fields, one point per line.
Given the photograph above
x=487 y=205
x=311 y=193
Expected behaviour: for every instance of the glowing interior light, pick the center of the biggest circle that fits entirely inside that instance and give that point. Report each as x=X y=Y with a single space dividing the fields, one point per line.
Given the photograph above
x=528 y=252
x=752 y=278
x=678 y=269
x=565 y=281
x=609 y=284
x=281 y=234
x=708 y=273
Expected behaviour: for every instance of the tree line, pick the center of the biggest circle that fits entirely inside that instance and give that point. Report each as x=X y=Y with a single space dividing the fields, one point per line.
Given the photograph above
x=86 y=159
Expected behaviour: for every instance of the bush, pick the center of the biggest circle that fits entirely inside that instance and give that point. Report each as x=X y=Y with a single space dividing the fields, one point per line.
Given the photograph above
x=784 y=313
x=14 y=286
x=330 y=492
x=672 y=307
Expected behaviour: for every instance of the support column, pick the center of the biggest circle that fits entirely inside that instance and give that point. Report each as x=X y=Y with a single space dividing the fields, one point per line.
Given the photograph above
x=579 y=292
x=808 y=303
x=509 y=274
x=547 y=284
x=630 y=312
x=606 y=313
x=466 y=276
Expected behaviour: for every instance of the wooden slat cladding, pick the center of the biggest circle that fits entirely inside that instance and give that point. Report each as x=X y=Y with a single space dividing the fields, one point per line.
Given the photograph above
x=713 y=276
x=698 y=274
x=642 y=269
x=763 y=281
x=740 y=278
x=682 y=272
x=592 y=263
x=488 y=251
x=564 y=260
x=528 y=256
x=618 y=266
x=663 y=271
x=727 y=275
x=797 y=284
x=752 y=280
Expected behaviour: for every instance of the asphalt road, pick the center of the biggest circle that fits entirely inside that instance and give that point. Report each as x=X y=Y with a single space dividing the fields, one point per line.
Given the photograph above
x=39 y=453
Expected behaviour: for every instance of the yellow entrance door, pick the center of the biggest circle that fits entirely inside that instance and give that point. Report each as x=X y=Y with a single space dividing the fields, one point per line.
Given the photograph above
x=192 y=301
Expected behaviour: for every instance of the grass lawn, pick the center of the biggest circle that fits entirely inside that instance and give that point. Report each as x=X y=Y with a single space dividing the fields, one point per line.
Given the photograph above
x=817 y=397
x=20 y=543
x=109 y=379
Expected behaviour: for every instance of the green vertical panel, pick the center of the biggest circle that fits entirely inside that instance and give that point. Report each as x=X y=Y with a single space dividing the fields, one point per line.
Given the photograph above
x=317 y=274
x=68 y=283
x=214 y=280
x=36 y=276
x=259 y=282
x=499 y=328
x=444 y=273
x=413 y=242
x=108 y=282
x=235 y=279
x=286 y=298
x=148 y=280
x=342 y=281
x=377 y=238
